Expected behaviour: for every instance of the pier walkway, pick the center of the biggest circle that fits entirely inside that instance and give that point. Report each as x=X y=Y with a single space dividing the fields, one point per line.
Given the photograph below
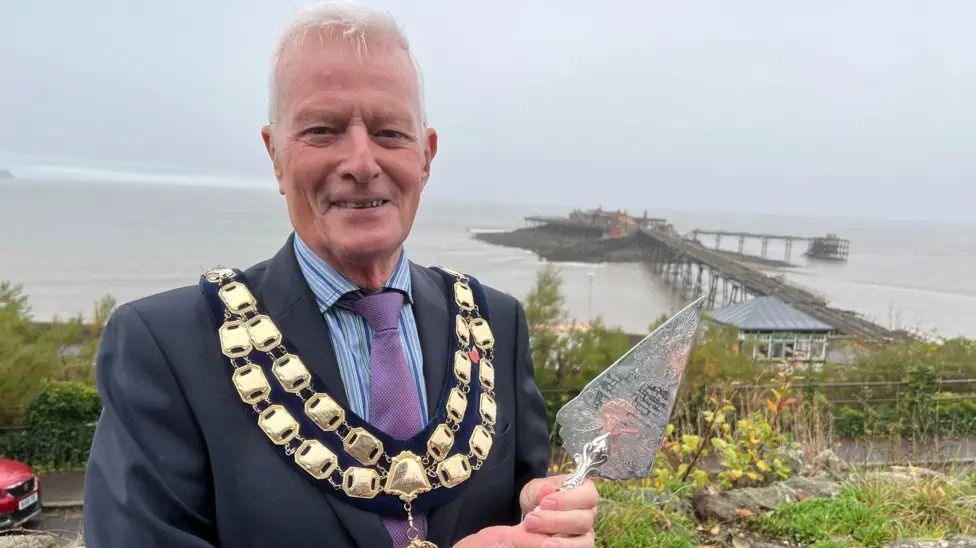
x=694 y=270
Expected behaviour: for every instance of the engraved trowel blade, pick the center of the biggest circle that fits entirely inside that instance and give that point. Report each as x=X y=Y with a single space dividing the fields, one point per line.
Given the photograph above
x=632 y=399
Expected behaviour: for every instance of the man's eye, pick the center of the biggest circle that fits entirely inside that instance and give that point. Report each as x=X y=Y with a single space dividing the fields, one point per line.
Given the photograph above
x=321 y=130
x=390 y=134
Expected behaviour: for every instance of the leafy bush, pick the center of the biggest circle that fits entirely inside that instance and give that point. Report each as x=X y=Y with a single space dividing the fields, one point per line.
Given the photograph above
x=61 y=424
x=752 y=449
x=32 y=352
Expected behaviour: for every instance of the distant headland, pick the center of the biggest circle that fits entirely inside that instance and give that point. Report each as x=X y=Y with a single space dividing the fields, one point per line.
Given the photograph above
x=5 y=174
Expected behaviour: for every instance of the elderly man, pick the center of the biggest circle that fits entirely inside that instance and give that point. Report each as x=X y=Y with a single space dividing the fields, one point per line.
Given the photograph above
x=389 y=372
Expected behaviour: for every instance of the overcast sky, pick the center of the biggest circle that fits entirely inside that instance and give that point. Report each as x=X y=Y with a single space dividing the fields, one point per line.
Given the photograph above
x=835 y=108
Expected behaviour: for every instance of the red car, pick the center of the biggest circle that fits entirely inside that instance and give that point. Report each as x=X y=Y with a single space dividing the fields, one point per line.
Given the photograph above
x=20 y=493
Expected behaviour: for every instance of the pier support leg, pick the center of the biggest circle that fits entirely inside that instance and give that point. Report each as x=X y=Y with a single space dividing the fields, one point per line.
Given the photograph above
x=712 y=289
x=698 y=281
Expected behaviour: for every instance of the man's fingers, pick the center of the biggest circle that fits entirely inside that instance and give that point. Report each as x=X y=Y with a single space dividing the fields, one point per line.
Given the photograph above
x=536 y=490
x=565 y=522
x=519 y=537
x=502 y=536
x=583 y=497
x=582 y=541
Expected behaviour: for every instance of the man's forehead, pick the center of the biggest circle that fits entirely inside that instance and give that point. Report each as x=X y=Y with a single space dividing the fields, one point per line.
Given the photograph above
x=318 y=54
x=317 y=64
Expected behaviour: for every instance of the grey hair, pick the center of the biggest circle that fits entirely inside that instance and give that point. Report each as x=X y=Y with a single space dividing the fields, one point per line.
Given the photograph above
x=351 y=21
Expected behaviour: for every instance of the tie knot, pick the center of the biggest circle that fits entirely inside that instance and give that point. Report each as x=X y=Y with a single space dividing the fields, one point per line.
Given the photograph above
x=381 y=310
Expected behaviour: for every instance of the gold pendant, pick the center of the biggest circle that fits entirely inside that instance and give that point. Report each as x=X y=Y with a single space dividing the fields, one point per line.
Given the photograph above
x=417 y=543
x=406 y=478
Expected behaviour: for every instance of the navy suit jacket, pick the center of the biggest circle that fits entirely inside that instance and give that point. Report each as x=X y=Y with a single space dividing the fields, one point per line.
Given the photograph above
x=178 y=460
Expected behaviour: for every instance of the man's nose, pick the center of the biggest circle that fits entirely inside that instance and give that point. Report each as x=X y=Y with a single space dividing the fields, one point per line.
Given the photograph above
x=359 y=164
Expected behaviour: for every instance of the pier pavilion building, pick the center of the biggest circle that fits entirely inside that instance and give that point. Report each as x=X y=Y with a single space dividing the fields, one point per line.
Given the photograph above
x=776 y=331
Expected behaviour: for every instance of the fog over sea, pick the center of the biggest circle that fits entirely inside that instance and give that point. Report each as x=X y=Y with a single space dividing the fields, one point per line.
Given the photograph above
x=69 y=243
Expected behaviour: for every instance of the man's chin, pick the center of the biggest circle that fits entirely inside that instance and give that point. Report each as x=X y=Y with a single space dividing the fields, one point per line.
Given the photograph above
x=370 y=251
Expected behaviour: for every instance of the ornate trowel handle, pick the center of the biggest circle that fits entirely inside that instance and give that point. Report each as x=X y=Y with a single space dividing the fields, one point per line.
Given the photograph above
x=594 y=454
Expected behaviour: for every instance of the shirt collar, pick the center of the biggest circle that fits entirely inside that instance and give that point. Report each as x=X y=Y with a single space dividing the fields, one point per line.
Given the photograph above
x=328 y=285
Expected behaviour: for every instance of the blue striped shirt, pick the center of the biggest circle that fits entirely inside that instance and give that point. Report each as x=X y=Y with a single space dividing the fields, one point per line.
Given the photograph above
x=351 y=334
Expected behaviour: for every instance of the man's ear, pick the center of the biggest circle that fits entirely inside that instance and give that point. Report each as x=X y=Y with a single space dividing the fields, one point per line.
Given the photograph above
x=429 y=151
x=272 y=153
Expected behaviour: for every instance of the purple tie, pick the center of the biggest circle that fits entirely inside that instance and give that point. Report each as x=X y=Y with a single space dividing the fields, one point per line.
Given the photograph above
x=394 y=406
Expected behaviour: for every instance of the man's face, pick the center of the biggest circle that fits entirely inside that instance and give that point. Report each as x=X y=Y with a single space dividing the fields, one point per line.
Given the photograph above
x=349 y=150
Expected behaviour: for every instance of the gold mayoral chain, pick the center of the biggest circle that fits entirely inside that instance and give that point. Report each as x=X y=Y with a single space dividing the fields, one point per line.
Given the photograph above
x=405 y=475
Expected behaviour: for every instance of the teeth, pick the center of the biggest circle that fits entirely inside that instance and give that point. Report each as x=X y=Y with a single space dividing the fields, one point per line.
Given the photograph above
x=361 y=205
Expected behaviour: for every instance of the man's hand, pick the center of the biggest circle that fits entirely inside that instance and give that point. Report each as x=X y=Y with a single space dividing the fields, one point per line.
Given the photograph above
x=553 y=519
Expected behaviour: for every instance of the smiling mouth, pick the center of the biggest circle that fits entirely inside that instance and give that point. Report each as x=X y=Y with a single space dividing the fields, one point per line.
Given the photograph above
x=360 y=205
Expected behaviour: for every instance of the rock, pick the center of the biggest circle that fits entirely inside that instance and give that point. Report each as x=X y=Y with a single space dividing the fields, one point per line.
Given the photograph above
x=923 y=473
x=828 y=464
x=738 y=503
x=813 y=487
x=907 y=474
x=954 y=541
x=670 y=502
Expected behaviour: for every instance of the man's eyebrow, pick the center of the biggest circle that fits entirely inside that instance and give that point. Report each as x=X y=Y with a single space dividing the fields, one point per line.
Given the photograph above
x=389 y=117
x=316 y=113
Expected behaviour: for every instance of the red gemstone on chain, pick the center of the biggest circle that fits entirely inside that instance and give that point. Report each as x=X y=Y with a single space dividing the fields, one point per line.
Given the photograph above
x=475 y=357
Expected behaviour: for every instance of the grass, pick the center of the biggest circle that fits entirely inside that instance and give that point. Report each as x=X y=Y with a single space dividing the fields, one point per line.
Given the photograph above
x=870 y=512
x=626 y=520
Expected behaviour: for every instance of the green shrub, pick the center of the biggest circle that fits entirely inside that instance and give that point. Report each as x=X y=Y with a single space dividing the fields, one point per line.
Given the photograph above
x=61 y=424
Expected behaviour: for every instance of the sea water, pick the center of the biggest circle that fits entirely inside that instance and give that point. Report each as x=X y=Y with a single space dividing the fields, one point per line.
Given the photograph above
x=70 y=243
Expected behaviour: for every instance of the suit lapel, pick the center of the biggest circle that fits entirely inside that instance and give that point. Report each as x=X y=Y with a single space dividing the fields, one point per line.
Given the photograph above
x=285 y=294
x=434 y=323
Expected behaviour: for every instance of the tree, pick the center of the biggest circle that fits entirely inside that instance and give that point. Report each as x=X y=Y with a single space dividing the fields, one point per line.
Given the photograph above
x=566 y=355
